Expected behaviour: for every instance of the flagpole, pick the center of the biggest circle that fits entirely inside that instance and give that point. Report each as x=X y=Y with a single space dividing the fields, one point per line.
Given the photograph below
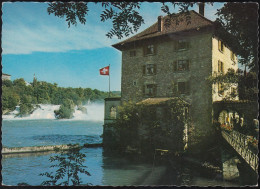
x=109 y=81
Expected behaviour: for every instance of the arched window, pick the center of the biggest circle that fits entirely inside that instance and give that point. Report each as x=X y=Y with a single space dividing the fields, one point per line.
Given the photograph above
x=113 y=112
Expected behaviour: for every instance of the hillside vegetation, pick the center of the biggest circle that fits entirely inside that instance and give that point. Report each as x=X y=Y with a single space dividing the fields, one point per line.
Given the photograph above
x=41 y=92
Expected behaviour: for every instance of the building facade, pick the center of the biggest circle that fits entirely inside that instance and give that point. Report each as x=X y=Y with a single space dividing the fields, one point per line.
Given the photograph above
x=6 y=76
x=164 y=62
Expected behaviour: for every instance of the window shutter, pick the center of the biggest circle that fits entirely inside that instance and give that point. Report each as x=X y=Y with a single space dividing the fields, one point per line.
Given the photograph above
x=144 y=50
x=155 y=69
x=175 y=66
x=154 y=90
x=219 y=45
x=188 y=64
x=187 y=44
x=219 y=66
x=222 y=67
x=154 y=49
x=187 y=87
x=175 y=45
x=143 y=89
x=144 y=67
x=176 y=87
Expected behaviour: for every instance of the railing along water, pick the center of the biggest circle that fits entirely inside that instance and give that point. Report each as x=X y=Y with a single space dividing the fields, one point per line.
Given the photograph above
x=239 y=142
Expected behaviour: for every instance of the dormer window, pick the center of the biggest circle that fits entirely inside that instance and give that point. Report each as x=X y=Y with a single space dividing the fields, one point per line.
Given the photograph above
x=220 y=46
x=149 y=50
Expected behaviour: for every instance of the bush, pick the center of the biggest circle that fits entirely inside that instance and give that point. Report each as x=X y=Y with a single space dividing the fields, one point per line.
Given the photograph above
x=69 y=165
x=66 y=110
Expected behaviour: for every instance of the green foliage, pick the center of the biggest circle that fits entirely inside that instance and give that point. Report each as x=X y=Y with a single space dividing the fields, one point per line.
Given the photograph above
x=139 y=127
x=72 y=11
x=69 y=165
x=247 y=84
x=7 y=83
x=40 y=92
x=124 y=15
x=241 y=21
x=25 y=109
x=66 y=110
x=10 y=99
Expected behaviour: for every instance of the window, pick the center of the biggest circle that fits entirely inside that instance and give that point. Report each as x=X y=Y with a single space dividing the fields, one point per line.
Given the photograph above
x=232 y=55
x=181 y=65
x=220 y=67
x=220 y=88
x=220 y=46
x=132 y=53
x=149 y=50
x=183 y=87
x=149 y=69
x=183 y=44
x=113 y=112
x=150 y=90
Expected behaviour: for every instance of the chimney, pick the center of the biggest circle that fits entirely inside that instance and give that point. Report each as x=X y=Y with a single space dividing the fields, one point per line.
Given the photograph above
x=201 y=8
x=160 y=23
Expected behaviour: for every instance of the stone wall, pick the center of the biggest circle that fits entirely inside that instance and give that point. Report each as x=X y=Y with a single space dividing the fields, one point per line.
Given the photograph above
x=200 y=56
x=109 y=103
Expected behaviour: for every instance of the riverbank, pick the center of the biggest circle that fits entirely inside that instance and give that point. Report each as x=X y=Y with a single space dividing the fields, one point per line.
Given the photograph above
x=32 y=149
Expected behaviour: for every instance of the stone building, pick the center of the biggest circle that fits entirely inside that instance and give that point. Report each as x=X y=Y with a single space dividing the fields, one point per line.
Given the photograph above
x=167 y=61
x=6 y=76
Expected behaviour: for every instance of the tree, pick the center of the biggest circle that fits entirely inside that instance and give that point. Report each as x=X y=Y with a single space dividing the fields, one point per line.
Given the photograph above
x=241 y=21
x=69 y=165
x=10 y=98
x=124 y=15
x=7 y=83
x=66 y=110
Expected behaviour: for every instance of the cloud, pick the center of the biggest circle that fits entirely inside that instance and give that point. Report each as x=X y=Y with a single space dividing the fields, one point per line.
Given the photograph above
x=27 y=28
x=18 y=39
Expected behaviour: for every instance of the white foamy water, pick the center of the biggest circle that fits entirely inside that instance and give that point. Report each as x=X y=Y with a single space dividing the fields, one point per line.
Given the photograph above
x=95 y=112
x=46 y=111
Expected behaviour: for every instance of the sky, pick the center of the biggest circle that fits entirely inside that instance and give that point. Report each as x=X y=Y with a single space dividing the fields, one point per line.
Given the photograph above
x=34 y=42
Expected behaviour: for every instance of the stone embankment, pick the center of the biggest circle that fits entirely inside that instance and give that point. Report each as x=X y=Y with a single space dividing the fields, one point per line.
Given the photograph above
x=31 y=149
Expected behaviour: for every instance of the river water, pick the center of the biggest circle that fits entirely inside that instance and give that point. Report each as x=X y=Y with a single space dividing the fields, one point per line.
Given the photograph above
x=105 y=169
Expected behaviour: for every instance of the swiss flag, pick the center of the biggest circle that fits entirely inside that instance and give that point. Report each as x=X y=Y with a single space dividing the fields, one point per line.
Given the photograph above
x=104 y=71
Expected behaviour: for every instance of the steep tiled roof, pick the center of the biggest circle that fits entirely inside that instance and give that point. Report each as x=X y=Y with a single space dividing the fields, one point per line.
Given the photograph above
x=197 y=21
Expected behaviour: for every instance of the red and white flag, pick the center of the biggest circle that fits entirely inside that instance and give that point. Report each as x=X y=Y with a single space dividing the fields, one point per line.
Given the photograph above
x=104 y=71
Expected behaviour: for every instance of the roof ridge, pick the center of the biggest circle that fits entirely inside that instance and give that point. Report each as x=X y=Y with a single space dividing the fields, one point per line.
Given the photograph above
x=202 y=16
x=152 y=31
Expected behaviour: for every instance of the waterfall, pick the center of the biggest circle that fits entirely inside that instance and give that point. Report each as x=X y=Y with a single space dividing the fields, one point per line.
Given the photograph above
x=95 y=112
x=44 y=111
